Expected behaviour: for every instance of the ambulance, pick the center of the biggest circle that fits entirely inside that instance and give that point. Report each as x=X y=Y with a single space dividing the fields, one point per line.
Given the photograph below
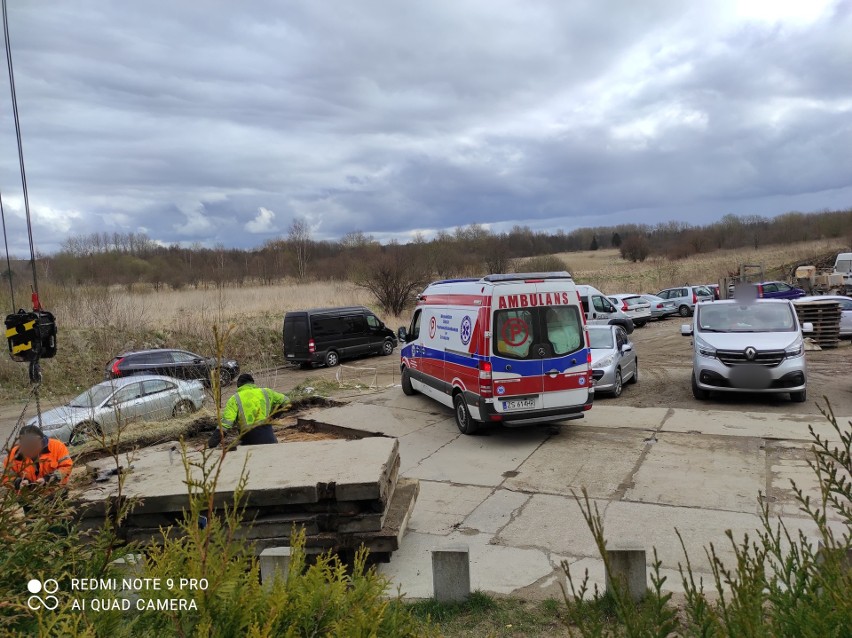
x=509 y=349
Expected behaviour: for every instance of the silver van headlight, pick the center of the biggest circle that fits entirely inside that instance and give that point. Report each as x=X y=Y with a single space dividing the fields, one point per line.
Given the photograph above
x=703 y=348
x=796 y=350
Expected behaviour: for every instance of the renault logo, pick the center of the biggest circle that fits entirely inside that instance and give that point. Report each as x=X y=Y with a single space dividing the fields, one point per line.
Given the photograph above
x=750 y=353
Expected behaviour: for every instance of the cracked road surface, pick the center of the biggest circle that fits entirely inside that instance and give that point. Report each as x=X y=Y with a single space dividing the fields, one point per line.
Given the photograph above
x=507 y=493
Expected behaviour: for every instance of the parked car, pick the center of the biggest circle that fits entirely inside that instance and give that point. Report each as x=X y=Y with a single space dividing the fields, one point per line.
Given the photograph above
x=614 y=361
x=778 y=290
x=685 y=297
x=601 y=311
x=748 y=347
x=103 y=407
x=180 y=364
x=638 y=309
x=845 y=310
x=329 y=335
x=660 y=308
x=714 y=288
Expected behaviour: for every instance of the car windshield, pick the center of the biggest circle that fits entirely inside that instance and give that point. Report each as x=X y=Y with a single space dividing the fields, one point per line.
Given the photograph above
x=600 y=339
x=92 y=398
x=633 y=301
x=843 y=265
x=754 y=317
x=703 y=290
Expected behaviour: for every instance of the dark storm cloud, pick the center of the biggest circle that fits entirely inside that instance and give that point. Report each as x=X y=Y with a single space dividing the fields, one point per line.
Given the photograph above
x=215 y=122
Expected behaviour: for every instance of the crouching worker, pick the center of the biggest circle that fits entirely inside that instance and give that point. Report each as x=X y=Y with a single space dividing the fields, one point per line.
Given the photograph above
x=247 y=413
x=37 y=461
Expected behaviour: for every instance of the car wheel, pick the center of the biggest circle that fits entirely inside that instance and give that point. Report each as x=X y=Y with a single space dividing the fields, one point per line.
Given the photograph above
x=799 y=397
x=387 y=347
x=698 y=393
x=684 y=311
x=635 y=377
x=407 y=388
x=618 y=386
x=184 y=407
x=464 y=421
x=225 y=377
x=332 y=359
x=83 y=432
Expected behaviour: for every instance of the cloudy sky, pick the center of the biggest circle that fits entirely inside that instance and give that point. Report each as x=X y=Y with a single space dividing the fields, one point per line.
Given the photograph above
x=218 y=122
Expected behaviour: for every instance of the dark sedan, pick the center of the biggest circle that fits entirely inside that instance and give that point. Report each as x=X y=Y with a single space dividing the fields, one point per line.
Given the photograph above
x=173 y=363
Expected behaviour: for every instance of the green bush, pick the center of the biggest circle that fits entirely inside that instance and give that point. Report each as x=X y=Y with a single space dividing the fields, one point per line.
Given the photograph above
x=781 y=584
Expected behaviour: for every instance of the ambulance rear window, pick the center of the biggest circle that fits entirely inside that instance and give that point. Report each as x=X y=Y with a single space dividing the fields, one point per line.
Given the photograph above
x=537 y=333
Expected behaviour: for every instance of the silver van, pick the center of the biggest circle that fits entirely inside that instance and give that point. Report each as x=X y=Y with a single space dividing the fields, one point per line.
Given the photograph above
x=601 y=311
x=748 y=347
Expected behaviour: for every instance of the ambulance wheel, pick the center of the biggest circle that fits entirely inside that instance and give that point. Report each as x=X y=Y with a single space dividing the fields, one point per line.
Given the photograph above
x=331 y=359
x=387 y=347
x=407 y=388
x=464 y=421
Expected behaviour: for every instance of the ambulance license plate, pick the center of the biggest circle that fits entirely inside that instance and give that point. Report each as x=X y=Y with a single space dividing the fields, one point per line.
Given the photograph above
x=519 y=404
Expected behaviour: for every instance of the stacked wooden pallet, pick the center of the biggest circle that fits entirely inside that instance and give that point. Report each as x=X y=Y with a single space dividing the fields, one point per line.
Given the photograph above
x=344 y=494
x=825 y=317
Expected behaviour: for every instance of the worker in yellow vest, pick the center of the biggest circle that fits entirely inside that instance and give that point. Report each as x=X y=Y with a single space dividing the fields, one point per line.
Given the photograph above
x=248 y=413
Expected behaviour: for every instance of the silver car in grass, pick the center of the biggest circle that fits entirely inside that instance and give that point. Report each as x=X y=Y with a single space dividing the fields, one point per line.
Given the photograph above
x=614 y=360
x=103 y=407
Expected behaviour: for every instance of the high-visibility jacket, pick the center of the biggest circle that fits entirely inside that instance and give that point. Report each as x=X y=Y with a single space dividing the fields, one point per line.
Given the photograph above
x=54 y=465
x=248 y=410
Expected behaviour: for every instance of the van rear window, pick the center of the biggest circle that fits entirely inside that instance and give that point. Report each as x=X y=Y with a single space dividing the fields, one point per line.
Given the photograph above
x=527 y=333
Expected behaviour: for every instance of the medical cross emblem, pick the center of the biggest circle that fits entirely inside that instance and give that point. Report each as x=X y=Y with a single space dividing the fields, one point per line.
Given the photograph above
x=466 y=330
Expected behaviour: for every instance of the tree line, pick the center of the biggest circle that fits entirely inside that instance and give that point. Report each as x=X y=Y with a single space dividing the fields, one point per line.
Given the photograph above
x=126 y=259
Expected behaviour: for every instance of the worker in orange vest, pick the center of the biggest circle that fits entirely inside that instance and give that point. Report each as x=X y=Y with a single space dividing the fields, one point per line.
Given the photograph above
x=37 y=460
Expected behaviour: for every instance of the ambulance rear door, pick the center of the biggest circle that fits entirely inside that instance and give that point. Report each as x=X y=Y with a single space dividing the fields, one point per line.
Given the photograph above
x=517 y=352
x=566 y=376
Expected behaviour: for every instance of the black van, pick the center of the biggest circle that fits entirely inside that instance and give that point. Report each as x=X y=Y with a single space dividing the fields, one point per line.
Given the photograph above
x=327 y=335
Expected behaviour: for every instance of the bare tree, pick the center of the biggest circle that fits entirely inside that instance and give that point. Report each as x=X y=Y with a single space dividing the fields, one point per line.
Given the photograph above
x=394 y=276
x=299 y=235
x=635 y=248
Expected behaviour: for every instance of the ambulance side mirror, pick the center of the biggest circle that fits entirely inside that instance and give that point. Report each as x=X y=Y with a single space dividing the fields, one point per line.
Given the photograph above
x=402 y=334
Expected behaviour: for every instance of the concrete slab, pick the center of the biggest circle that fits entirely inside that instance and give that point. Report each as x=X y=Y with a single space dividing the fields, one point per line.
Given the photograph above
x=493 y=568
x=482 y=459
x=495 y=512
x=295 y=473
x=761 y=425
x=442 y=507
x=552 y=524
x=423 y=443
x=723 y=473
x=654 y=526
x=394 y=398
x=600 y=460
x=377 y=418
x=603 y=415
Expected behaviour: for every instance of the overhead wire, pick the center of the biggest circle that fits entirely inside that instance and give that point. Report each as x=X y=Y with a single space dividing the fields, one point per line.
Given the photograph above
x=35 y=367
x=19 y=139
x=8 y=259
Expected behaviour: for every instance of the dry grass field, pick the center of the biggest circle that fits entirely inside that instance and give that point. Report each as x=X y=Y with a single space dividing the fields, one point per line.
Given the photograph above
x=98 y=323
x=604 y=269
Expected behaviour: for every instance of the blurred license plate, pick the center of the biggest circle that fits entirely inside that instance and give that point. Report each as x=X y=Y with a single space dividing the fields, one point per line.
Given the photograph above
x=519 y=404
x=291 y=355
